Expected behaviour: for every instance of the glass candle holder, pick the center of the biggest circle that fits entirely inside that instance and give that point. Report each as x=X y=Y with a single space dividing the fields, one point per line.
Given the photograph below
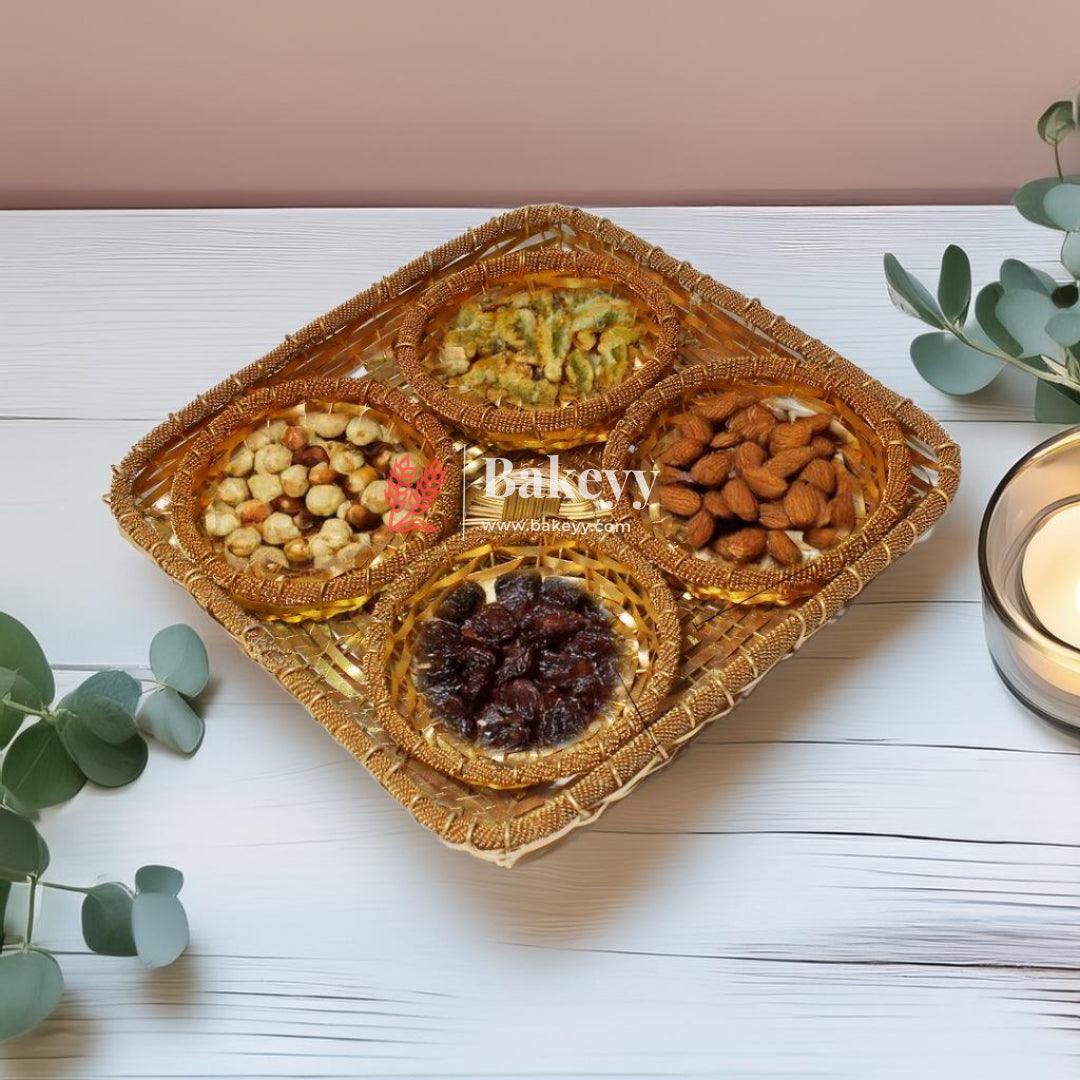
x=1029 y=563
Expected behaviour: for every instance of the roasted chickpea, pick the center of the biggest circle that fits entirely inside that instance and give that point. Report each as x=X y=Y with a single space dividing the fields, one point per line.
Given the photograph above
x=335 y=532
x=232 y=490
x=258 y=439
x=278 y=528
x=359 y=479
x=295 y=438
x=348 y=555
x=326 y=425
x=375 y=497
x=297 y=550
x=268 y=561
x=241 y=462
x=276 y=429
x=294 y=481
x=346 y=461
x=323 y=473
x=362 y=431
x=381 y=458
x=274 y=458
x=220 y=519
x=264 y=486
x=243 y=541
x=412 y=457
x=288 y=505
x=253 y=512
x=324 y=499
x=304 y=519
x=312 y=455
x=360 y=517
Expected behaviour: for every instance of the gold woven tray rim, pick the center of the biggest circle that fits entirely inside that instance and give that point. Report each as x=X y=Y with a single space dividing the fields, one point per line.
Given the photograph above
x=573 y=806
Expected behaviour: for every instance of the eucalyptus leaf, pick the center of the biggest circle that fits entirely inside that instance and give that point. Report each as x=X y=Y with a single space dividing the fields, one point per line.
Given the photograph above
x=178 y=659
x=1065 y=296
x=1029 y=199
x=1018 y=275
x=910 y=295
x=104 y=763
x=954 y=285
x=952 y=366
x=14 y=688
x=1024 y=314
x=106 y=920
x=13 y=803
x=986 y=316
x=37 y=769
x=1070 y=254
x=1055 y=404
x=1058 y=120
x=159 y=879
x=160 y=927
x=107 y=719
x=22 y=850
x=116 y=686
x=5 y=892
x=20 y=652
x=1062 y=206
x=1064 y=327
x=31 y=985
x=172 y=721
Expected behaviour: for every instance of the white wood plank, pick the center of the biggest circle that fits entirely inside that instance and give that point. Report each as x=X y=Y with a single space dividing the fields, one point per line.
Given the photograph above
x=133 y=313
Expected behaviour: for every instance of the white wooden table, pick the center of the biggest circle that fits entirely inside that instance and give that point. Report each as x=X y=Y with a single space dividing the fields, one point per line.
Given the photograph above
x=870 y=869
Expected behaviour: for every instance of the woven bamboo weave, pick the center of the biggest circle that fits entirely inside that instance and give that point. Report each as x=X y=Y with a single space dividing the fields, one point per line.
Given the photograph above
x=727 y=648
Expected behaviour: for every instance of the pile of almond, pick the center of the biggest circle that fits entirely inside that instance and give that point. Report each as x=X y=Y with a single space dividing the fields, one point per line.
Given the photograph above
x=752 y=479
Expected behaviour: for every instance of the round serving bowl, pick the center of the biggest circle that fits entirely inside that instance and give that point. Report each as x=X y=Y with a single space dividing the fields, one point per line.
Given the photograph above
x=786 y=409
x=509 y=425
x=643 y=615
x=427 y=503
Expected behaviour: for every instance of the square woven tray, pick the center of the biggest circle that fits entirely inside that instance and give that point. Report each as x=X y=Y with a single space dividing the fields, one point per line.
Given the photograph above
x=727 y=649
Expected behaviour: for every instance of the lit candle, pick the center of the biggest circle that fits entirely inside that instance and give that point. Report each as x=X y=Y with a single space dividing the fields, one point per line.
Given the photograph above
x=1050 y=574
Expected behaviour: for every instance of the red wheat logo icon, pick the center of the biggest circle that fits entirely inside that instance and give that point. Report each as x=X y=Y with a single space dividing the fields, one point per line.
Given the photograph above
x=411 y=493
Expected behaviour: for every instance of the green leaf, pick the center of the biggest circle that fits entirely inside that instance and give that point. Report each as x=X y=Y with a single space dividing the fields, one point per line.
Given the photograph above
x=12 y=803
x=986 y=316
x=1055 y=404
x=116 y=686
x=954 y=285
x=22 y=850
x=910 y=295
x=160 y=927
x=1029 y=199
x=172 y=721
x=37 y=768
x=31 y=985
x=1054 y=124
x=1064 y=327
x=1024 y=314
x=107 y=719
x=1018 y=275
x=1062 y=206
x=104 y=763
x=178 y=659
x=1070 y=254
x=1065 y=296
x=5 y=892
x=20 y=652
x=14 y=688
x=159 y=879
x=106 y=920
x=950 y=365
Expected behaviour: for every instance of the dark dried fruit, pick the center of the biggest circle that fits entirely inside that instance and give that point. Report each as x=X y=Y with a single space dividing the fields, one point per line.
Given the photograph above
x=527 y=670
x=461 y=602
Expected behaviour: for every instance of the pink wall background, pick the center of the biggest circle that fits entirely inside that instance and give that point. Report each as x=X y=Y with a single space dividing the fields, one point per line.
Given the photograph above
x=126 y=103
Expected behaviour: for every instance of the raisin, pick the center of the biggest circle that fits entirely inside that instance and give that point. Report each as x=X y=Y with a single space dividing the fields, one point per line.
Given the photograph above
x=452 y=710
x=594 y=642
x=548 y=622
x=520 y=698
x=519 y=660
x=477 y=668
x=518 y=590
x=493 y=624
x=440 y=649
x=563 y=591
x=561 y=723
x=501 y=730
x=461 y=602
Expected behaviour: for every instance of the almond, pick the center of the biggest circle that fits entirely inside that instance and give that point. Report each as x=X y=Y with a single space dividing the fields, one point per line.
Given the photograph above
x=802 y=504
x=764 y=483
x=785 y=436
x=822 y=538
x=699 y=529
x=716 y=504
x=724 y=440
x=755 y=423
x=782 y=548
x=693 y=426
x=844 y=480
x=720 y=406
x=818 y=423
x=842 y=511
x=742 y=546
x=773 y=516
x=682 y=451
x=788 y=462
x=820 y=475
x=680 y=500
x=822 y=446
x=748 y=456
x=741 y=499
x=670 y=475
x=712 y=469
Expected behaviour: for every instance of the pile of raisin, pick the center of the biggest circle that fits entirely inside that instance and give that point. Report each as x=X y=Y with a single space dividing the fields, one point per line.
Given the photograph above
x=529 y=669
